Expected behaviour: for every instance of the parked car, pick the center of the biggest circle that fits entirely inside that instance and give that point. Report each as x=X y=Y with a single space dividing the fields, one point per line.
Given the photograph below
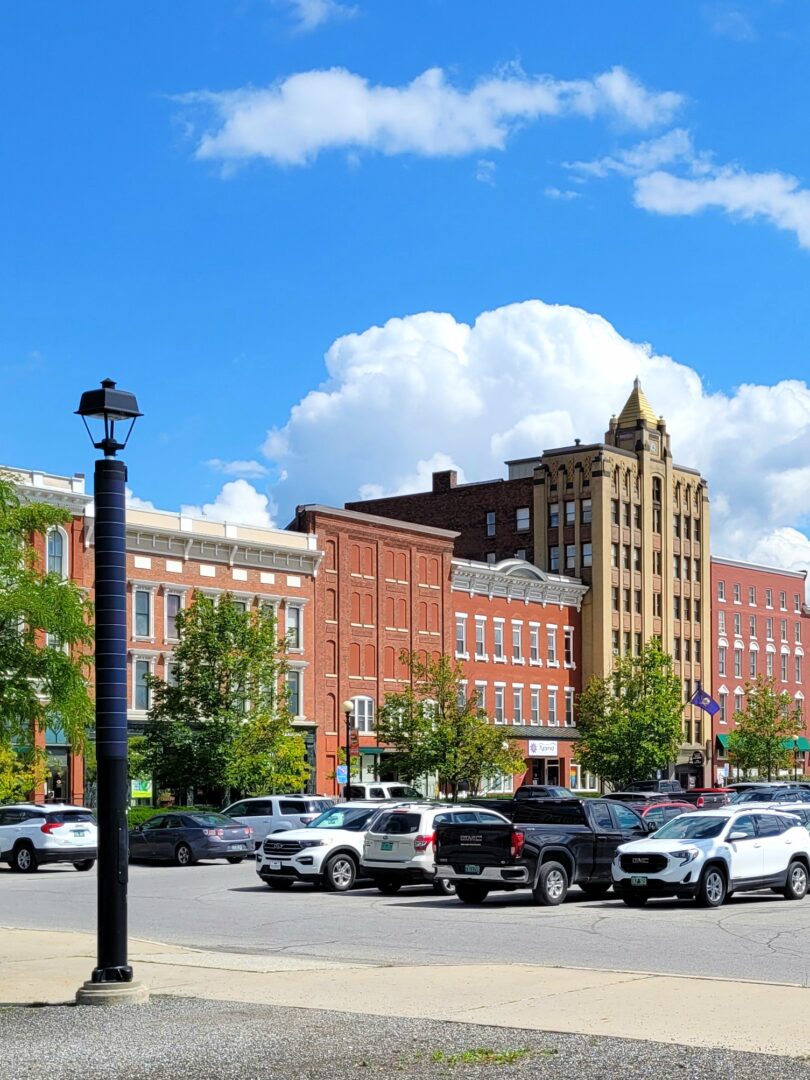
x=638 y=797
x=764 y=794
x=567 y=842
x=185 y=838
x=327 y=852
x=656 y=813
x=277 y=813
x=543 y=791
x=670 y=786
x=399 y=847
x=709 y=855
x=706 y=798
x=383 y=791
x=31 y=835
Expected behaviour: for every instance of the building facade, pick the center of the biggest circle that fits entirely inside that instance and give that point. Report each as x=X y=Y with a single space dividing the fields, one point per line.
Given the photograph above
x=760 y=625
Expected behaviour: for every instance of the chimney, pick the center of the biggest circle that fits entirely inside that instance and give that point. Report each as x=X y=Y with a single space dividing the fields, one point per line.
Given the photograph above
x=444 y=481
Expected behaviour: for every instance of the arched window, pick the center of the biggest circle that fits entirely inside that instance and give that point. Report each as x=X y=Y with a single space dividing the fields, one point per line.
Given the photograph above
x=363 y=713
x=57 y=553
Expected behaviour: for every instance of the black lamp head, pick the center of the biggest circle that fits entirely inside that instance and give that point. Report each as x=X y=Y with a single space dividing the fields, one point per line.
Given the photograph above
x=111 y=406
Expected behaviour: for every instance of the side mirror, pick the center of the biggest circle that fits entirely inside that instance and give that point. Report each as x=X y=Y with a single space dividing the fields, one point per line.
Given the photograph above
x=738 y=834
x=138 y=828
x=650 y=825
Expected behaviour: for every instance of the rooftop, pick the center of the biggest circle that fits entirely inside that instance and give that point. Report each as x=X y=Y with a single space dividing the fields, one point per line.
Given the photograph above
x=637 y=408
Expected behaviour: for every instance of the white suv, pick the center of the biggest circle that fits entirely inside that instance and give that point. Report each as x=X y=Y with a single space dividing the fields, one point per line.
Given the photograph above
x=710 y=854
x=383 y=791
x=327 y=852
x=399 y=847
x=32 y=834
x=277 y=813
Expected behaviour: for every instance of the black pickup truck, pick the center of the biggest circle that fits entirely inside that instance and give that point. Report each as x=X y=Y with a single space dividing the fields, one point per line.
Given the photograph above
x=552 y=844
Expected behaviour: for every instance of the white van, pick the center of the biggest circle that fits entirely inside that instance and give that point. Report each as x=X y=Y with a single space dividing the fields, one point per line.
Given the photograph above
x=383 y=790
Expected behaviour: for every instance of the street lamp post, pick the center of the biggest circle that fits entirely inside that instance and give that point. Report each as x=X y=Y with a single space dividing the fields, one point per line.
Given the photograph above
x=111 y=982
x=348 y=709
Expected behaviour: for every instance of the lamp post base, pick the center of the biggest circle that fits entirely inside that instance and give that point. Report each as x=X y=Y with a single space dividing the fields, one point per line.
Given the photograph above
x=112 y=993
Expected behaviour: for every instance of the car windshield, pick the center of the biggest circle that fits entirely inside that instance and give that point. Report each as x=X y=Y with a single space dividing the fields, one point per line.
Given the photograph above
x=353 y=818
x=692 y=827
x=209 y=819
x=753 y=796
x=400 y=791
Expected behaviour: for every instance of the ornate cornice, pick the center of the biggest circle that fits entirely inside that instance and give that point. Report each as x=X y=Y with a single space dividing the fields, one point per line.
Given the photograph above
x=515 y=579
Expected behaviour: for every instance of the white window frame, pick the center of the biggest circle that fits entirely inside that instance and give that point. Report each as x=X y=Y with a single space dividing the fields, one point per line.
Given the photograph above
x=298 y=672
x=141 y=658
x=569 y=715
x=517 y=640
x=500 y=703
x=289 y=607
x=522 y=519
x=481 y=624
x=534 y=645
x=551 y=646
x=535 y=711
x=481 y=694
x=461 y=624
x=167 y=592
x=364 y=711
x=498 y=652
x=517 y=704
x=64 y=571
x=551 y=706
x=149 y=590
x=568 y=647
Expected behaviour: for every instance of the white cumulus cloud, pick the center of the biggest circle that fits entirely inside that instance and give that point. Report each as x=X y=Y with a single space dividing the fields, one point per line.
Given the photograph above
x=252 y=470
x=293 y=120
x=310 y=14
x=427 y=392
x=238 y=502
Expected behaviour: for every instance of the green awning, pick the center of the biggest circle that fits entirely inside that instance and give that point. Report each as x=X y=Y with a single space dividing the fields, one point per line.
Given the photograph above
x=376 y=750
x=797 y=744
x=723 y=740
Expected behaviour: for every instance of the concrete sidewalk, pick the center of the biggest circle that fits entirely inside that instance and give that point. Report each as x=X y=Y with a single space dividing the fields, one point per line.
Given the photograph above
x=48 y=967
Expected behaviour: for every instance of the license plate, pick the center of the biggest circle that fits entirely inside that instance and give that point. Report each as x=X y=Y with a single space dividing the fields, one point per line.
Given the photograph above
x=387 y=845
x=274 y=864
x=236 y=847
x=638 y=879
x=80 y=832
x=471 y=868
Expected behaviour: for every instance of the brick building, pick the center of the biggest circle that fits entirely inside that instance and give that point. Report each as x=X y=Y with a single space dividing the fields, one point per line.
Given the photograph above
x=760 y=624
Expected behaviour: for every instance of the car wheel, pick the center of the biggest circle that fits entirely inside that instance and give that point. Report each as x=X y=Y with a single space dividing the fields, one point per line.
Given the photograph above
x=796 y=887
x=469 y=892
x=635 y=901
x=712 y=888
x=279 y=883
x=234 y=859
x=85 y=864
x=389 y=888
x=596 y=889
x=24 y=861
x=182 y=855
x=340 y=873
x=444 y=887
x=552 y=884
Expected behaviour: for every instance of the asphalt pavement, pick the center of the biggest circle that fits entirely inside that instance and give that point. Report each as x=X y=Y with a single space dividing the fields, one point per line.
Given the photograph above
x=221 y=907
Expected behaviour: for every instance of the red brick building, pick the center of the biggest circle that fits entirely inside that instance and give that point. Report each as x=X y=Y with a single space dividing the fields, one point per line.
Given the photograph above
x=760 y=624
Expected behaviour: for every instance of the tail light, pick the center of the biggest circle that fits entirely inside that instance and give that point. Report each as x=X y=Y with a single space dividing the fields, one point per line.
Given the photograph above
x=248 y=831
x=700 y=802
x=518 y=840
x=213 y=832
x=49 y=826
x=422 y=843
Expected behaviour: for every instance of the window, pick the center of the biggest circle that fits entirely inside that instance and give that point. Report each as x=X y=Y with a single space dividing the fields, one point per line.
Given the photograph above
x=480 y=639
x=570 y=512
x=363 y=713
x=752 y=595
x=696 y=606
x=738 y=663
x=587 y=554
x=783 y=633
x=534 y=644
x=500 y=718
x=554 y=559
x=294 y=693
x=293 y=625
x=636 y=558
x=696 y=569
x=687 y=528
x=784 y=667
x=520 y=553
x=737 y=625
x=625 y=557
x=614 y=511
x=554 y=515
x=686 y=612
x=490 y=523
x=614 y=592
x=797 y=633
x=769 y=665
x=57 y=563
x=481 y=696
x=737 y=594
x=752 y=626
x=552 y=707
x=142 y=693
x=721 y=590
x=752 y=664
x=497 y=628
x=551 y=645
x=783 y=601
x=797 y=603
x=721 y=623
x=170 y=673
x=517 y=642
x=769 y=629
x=569 y=706
x=534 y=718
x=738 y=701
x=676 y=525
x=491 y=557
x=723 y=708
x=626 y=515
x=797 y=669
x=461 y=635
x=517 y=704
x=173 y=603
x=721 y=660
x=769 y=598
x=614 y=640
x=657 y=563
x=676 y=566
x=143 y=613
x=586 y=511
x=676 y=607
x=677 y=649
x=626 y=599
x=636 y=524
x=570 y=556
x=568 y=645
x=614 y=555
x=687 y=649
x=696 y=650
x=522 y=519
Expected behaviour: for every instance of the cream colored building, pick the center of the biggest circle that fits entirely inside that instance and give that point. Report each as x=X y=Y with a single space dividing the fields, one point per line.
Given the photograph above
x=622 y=517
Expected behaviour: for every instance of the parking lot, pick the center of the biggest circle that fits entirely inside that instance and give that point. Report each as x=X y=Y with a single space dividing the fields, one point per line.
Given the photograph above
x=217 y=906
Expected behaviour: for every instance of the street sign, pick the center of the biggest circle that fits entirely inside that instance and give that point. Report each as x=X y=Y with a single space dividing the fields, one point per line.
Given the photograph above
x=341 y=774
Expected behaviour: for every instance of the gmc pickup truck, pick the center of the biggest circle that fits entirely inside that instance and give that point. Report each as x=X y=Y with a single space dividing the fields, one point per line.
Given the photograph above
x=563 y=842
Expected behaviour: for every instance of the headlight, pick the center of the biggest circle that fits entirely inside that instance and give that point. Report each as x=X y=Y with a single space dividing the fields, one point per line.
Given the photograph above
x=687 y=855
x=311 y=843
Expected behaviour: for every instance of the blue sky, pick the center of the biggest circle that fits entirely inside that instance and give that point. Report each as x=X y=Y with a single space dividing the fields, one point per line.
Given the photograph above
x=188 y=207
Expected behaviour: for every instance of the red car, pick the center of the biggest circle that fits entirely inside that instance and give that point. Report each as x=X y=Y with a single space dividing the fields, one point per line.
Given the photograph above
x=662 y=812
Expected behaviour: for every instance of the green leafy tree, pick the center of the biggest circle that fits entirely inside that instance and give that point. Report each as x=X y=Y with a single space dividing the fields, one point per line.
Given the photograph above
x=223 y=720
x=764 y=729
x=630 y=722
x=45 y=637
x=20 y=773
x=434 y=728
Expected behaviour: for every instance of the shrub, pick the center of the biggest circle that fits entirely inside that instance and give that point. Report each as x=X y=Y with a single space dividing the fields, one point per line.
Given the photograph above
x=138 y=815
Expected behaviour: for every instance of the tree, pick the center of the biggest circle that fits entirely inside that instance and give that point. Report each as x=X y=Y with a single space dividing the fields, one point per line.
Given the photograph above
x=224 y=719
x=630 y=722
x=764 y=729
x=434 y=727
x=45 y=637
x=20 y=773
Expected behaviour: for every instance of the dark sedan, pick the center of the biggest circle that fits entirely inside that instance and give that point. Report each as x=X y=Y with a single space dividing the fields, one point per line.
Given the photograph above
x=185 y=838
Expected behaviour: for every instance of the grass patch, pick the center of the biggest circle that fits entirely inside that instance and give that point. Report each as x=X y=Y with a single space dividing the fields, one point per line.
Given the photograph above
x=482 y=1056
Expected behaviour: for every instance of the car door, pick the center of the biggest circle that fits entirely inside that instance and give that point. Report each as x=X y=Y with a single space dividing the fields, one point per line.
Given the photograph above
x=607 y=837
x=170 y=836
x=630 y=826
x=747 y=860
x=10 y=820
x=143 y=844
x=777 y=844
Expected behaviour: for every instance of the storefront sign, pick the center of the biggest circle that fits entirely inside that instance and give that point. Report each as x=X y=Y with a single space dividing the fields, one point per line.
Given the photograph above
x=141 y=789
x=542 y=748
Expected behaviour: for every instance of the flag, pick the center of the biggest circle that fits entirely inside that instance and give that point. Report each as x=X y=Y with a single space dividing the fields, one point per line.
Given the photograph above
x=704 y=701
